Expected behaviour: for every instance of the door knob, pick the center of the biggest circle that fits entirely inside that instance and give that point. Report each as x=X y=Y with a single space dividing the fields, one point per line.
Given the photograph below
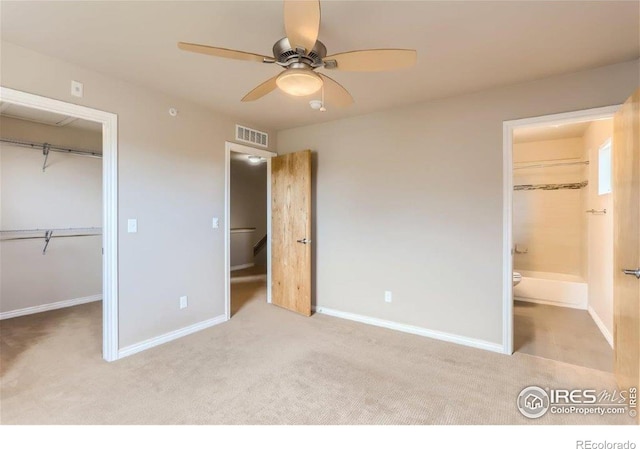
x=635 y=273
x=304 y=241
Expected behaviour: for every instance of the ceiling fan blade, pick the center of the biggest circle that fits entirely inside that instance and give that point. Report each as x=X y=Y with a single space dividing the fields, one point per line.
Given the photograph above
x=373 y=60
x=334 y=92
x=302 y=23
x=222 y=52
x=262 y=90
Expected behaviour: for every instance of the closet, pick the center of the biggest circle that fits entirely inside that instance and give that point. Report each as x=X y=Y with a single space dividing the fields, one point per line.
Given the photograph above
x=50 y=211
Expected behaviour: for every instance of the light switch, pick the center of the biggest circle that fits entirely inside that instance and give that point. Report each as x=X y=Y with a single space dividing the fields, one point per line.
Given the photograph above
x=132 y=225
x=215 y=223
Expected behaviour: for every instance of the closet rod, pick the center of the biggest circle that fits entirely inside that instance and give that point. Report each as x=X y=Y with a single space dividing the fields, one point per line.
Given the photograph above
x=49 y=147
x=49 y=236
x=557 y=164
x=89 y=229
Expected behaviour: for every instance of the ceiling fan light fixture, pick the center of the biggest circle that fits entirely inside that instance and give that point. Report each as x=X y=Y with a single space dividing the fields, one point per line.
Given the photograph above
x=299 y=82
x=300 y=52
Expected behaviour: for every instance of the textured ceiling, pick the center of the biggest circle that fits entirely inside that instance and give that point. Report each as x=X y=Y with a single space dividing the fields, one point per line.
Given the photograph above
x=462 y=46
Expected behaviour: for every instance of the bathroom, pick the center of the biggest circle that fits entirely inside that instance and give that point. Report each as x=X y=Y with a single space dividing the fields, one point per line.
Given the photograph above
x=563 y=242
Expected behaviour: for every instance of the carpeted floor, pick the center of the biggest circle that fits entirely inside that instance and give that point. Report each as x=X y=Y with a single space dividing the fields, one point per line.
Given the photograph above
x=268 y=366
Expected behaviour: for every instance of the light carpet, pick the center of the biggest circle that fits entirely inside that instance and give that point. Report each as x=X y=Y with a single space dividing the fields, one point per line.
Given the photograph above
x=268 y=366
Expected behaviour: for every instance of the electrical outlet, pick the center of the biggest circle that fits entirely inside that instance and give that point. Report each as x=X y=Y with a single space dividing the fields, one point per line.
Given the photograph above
x=184 y=302
x=215 y=223
x=388 y=297
x=132 y=225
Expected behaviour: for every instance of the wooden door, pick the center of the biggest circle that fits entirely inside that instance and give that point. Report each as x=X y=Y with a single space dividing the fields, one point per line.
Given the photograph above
x=291 y=231
x=626 y=208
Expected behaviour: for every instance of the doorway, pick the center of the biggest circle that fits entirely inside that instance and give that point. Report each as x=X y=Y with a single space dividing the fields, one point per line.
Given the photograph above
x=247 y=226
x=36 y=108
x=554 y=218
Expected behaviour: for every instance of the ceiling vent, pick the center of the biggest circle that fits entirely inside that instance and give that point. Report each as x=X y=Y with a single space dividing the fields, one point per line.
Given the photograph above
x=248 y=135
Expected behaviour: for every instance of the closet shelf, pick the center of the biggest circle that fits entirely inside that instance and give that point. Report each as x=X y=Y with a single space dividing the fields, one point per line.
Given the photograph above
x=47 y=147
x=548 y=164
x=47 y=234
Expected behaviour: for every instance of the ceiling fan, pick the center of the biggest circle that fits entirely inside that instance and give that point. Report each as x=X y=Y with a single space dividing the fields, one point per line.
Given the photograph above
x=300 y=53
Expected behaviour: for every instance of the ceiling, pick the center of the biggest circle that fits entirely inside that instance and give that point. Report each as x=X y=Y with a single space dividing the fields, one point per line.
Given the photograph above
x=47 y=118
x=241 y=157
x=463 y=46
x=552 y=132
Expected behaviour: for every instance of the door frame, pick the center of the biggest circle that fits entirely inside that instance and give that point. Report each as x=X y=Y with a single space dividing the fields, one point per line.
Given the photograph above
x=109 y=123
x=508 y=127
x=235 y=147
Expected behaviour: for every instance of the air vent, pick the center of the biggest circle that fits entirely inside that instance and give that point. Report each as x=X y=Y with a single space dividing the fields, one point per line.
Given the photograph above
x=248 y=135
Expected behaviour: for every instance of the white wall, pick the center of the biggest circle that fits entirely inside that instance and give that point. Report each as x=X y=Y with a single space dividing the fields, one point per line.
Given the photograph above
x=248 y=193
x=171 y=178
x=600 y=230
x=65 y=136
x=550 y=223
x=424 y=180
x=410 y=200
x=68 y=194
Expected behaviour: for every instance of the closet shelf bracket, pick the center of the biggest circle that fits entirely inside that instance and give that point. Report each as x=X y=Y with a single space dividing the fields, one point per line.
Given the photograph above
x=47 y=237
x=45 y=153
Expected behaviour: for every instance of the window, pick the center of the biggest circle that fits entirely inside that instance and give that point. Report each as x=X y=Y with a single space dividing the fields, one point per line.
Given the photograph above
x=604 y=168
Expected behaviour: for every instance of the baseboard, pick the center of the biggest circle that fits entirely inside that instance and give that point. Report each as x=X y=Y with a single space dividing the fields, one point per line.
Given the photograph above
x=601 y=326
x=551 y=303
x=169 y=336
x=438 y=335
x=50 y=306
x=241 y=267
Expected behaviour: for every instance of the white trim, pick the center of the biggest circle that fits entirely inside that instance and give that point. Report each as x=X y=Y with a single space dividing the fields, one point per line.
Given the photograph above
x=228 y=148
x=50 y=306
x=241 y=267
x=269 y=230
x=508 y=126
x=507 y=241
x=424 y=332
x=244 y=149
x=169 y=336
x=109 y=202
x=605 y=332
x=581 y=306
x=227 y=230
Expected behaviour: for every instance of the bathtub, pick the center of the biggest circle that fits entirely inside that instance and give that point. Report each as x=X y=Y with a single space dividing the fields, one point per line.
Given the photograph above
x=552 y=288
